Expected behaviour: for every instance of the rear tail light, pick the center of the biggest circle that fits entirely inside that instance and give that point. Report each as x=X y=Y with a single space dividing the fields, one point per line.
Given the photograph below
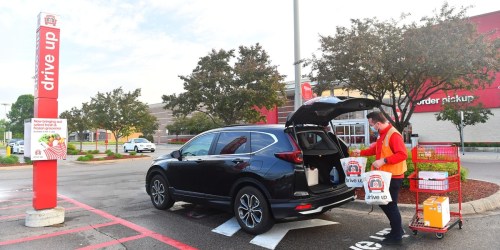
x=294 y=156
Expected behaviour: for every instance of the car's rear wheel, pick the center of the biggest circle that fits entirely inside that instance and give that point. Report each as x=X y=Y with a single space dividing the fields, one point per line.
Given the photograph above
x=125 y=149
x=136 y=149
x=252 y=211
x=160 y=196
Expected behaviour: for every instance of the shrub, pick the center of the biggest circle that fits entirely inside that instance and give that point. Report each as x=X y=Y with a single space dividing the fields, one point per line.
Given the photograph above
x=109 y=153
x=83 y=158
x=133 y=153
x=90 y=156
x=71 y=147
x=12 y=159
x=73 y=152
x=27 y=160
x=118 y=156
x=96 y=151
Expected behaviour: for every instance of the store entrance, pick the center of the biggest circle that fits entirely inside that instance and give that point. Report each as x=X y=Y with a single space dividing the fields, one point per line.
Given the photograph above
x=352 y=131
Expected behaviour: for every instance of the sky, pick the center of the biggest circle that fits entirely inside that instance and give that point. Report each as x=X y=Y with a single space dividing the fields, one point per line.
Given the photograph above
x=147 y=44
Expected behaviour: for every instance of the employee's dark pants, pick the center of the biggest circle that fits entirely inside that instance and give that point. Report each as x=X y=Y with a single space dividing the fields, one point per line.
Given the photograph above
x=391 y=210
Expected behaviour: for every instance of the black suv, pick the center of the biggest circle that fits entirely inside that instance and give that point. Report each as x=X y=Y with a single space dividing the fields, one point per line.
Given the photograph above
x=258 y=172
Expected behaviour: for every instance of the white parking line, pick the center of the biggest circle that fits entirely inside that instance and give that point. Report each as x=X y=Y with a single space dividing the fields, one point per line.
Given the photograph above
x=273 y=237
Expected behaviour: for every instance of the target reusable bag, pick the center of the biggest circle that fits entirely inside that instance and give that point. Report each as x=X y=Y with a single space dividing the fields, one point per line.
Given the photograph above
x=376 y=185
x=353 y=168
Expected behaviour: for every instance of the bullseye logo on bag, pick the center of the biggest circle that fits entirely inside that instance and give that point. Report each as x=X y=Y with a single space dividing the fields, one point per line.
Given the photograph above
x=353 y=168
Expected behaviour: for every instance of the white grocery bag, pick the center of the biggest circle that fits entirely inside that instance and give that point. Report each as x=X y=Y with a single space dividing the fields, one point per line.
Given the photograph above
x=353 y=168
x=376 y=185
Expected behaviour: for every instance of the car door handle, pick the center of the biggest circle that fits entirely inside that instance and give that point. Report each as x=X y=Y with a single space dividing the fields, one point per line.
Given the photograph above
x=198 y=161
x=237 y=160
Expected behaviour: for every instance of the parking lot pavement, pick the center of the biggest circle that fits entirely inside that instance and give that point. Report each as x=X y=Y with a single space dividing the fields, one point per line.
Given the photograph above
x=85 y=227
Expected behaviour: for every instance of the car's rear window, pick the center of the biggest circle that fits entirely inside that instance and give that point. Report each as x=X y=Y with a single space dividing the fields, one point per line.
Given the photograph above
x=233 y=143
x=315 y=140
x=260 y=141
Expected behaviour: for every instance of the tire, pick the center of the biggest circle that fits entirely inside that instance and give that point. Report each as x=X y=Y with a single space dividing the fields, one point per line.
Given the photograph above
x=160 y=197
x=125 y=149
x=439 y=235
x=252 y=211
x=136 y=149
x=152 y=151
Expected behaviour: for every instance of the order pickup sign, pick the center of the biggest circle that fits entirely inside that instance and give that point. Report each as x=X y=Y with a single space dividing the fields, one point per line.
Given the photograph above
x=47 y=139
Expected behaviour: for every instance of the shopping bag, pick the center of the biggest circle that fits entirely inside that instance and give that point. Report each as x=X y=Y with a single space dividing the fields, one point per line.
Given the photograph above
x=376 y=185
x=353 y=168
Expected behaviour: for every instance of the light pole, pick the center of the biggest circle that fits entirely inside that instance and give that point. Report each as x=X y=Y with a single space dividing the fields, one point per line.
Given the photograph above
x=298 y=77
x=5 y=131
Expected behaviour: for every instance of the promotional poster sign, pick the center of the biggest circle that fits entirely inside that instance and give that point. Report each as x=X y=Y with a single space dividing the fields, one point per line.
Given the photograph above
x=48 y=139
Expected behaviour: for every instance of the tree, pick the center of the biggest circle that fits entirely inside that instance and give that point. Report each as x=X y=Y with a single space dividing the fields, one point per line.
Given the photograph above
x=407 y=63
x=119 y=112
x=150 y=126
x=78 y=121
x=3 y=128
x=198 y=123
x=472 y=114
x=20 y=110
x=230 y=92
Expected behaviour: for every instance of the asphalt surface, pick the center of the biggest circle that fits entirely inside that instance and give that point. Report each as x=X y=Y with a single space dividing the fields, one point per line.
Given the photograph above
x=98 y=214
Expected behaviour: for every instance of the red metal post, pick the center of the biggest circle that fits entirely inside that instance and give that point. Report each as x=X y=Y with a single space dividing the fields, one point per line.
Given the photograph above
x=46 y=106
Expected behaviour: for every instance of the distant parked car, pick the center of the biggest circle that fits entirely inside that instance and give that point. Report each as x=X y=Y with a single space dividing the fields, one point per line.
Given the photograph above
x=18 y=147
x=13 y=141
x=139 y=145
x=257 y=172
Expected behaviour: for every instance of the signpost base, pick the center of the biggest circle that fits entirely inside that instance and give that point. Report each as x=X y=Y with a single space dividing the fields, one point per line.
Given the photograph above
x=43 y=218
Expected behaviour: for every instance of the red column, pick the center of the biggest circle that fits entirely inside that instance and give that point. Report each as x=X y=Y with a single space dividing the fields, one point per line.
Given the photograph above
x=46 y=106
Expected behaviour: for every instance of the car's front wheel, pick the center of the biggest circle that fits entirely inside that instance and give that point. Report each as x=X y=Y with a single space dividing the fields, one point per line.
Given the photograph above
x=252 y=211
x=136 y=149
x=160 y=196
x=125 y=149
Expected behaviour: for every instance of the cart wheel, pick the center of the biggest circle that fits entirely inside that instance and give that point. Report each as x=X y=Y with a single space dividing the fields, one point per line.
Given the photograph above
x=460 y=224
x=439 y=235
x=415 y=232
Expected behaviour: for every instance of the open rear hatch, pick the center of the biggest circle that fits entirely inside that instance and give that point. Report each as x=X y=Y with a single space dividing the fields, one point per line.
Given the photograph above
x=321 y=110
x=322 y=152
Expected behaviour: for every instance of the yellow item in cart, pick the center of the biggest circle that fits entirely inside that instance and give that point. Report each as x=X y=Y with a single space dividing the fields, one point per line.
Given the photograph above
x=436 y=211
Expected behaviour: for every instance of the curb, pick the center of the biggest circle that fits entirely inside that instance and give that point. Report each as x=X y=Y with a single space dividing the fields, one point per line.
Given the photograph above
x=111 y=161
x=489 y=203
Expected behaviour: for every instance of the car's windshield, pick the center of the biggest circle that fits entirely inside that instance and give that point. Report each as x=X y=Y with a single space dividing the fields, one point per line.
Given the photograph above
x=141 y=140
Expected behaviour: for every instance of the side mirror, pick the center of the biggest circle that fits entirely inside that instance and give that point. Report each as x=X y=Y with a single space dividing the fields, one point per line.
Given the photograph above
x=176 y=154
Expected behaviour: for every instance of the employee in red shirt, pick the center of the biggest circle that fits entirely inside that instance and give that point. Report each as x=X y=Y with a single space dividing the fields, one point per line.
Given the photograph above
x=390 y=154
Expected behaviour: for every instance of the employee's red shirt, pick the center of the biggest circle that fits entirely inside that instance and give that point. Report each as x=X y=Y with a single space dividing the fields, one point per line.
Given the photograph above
x=396 y=144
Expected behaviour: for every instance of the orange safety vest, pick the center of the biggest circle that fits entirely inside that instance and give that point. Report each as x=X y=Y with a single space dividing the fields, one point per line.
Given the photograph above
x=398 y=168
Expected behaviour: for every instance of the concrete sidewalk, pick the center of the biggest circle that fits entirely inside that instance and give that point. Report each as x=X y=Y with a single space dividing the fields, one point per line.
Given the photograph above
x=483 y=157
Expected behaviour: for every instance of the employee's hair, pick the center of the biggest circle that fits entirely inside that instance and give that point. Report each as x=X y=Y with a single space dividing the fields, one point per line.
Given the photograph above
x=376 y=116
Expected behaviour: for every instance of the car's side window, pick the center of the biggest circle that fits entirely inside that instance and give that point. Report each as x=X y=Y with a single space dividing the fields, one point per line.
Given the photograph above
x=199 y=146
x=260 y=141
x=233 y=143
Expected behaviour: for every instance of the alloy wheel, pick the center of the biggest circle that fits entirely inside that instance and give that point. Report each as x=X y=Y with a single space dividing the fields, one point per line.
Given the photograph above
x=250 y=210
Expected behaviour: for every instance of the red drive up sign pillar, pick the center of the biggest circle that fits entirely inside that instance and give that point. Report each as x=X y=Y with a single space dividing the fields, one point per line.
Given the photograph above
x=46 y=94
